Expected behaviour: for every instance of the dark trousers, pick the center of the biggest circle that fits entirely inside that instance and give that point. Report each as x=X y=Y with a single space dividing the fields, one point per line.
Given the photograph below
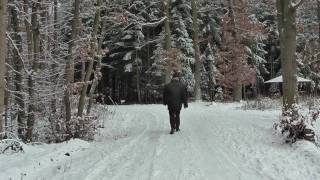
x=174 y=118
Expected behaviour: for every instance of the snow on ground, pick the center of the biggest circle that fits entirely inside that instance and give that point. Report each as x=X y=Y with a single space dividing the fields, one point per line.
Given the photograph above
x=217 y=142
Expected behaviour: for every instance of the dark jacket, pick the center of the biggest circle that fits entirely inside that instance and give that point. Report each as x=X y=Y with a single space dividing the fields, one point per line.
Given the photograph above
x=174 y=95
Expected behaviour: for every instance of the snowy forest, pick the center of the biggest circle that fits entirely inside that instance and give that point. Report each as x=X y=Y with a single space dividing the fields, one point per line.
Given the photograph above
x=79 y=71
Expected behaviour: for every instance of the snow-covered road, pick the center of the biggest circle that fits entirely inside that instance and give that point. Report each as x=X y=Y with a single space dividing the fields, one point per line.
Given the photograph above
x=217 y=142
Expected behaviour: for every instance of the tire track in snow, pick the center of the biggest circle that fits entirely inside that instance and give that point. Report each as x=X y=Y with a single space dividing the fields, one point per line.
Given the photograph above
x=215 y=143
x=146 y=152
x=222 y=150
x=175 y=157
x=123 y=163
x=213 y=157
x=98 y=157
x=197 y=172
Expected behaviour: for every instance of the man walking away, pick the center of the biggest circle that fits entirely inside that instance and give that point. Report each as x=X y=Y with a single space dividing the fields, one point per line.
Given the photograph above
x=174 y=95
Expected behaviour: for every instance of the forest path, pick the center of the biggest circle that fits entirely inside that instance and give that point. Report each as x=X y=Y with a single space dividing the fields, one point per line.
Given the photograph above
x=216 y=142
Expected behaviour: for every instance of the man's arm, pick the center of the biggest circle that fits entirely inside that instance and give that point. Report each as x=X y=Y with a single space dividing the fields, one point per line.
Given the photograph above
x=164 y=96
x=185 y=96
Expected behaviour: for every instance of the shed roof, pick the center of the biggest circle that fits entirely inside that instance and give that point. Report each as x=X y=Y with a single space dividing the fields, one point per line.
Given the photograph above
x=280 y=80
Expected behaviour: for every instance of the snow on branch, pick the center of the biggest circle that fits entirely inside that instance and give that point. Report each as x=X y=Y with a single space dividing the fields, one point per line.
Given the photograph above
x=18 y=52
x=147 y=43
x=296 y=3
x=154 y=24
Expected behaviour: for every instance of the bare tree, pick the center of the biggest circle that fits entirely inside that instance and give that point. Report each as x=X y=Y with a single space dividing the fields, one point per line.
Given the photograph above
x=18 y=65
x=318 y=26
x=70 y=63
x=55 y=54
x=3 y=26
x=92 y=55
x=97 y=73
x=35 y=67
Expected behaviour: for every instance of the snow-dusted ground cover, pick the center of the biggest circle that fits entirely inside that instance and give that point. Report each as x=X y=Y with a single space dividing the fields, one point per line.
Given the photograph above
x=266 y=103
x=216 y=142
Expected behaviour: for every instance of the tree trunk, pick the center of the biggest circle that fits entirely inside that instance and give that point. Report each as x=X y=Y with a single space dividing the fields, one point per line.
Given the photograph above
x=167 y=4
x=195 y=27
x=35 y=66
x=237 y=88
x=317 y=89
x=23 y=127
x=83 y=71
x=97 y=77
x=28 y=30
x=237 y=92
x=318 y=56
x=55 y=55
x=319 y=24
x=138 y=83
x=211 y=73
x=70 y=64
x=97 y=73
x=7 y=100
x=3 y=27
x=93 y=51
x=18 y=65
x=244 y=92
x=287 y=31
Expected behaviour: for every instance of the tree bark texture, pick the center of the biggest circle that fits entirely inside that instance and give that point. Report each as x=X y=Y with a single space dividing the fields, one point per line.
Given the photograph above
x=35 y=67
x=55 y=55
x=138 y=83
x=18 y=78
x=287 y=32
x=97 y=72
x=3 y=27
x=237 y=87
x=70 y=64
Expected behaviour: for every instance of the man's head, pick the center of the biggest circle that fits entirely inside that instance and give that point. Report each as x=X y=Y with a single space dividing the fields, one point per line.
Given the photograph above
x=176 y=76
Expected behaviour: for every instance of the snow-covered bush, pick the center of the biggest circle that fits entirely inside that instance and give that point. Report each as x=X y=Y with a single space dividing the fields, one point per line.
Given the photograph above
x=294 y=126
x=262 y=103
x=218 y=95
x=10 y=143
x=309 y=102
x=83 y=127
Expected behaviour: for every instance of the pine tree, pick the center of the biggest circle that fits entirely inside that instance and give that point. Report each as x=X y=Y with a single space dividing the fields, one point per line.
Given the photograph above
x=198 y=63
x=181 y=30
x=308 y=43
x=210 y=13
